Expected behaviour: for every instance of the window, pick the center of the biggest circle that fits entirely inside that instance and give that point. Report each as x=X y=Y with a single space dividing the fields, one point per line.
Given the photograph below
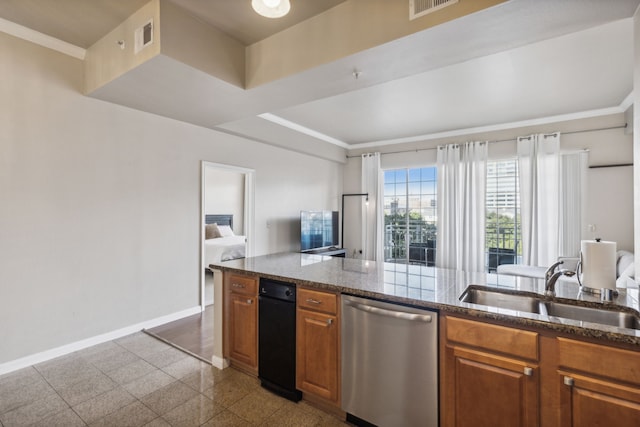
x=503 y=227
x=410 y=215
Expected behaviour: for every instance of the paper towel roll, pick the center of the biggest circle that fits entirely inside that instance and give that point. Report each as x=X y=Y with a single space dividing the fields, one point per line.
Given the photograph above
x=598 y=264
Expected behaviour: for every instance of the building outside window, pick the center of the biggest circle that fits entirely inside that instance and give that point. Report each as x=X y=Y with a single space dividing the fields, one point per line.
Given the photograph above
x=503 y=226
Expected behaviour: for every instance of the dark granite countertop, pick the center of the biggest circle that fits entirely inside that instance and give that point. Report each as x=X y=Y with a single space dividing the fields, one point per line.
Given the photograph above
x=434 y=288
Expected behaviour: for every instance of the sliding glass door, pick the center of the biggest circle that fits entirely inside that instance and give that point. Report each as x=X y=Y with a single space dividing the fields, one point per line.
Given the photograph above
x=410 y=215
x=503 y=225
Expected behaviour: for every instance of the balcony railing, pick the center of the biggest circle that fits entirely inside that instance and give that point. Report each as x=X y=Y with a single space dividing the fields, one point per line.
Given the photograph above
x=422 y=244
x=503 y=245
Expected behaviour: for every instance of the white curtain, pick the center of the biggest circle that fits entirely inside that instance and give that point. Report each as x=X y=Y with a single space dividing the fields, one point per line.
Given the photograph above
x=573 y=197
x=372 y=212
x=460 y=241
x=539 y=170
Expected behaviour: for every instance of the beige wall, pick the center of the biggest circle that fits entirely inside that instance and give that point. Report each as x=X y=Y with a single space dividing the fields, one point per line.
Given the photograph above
x=224 y=194
x=107 y=59
x=348 y=28
x=100 y=212
x=609 y=203
x=202 y=46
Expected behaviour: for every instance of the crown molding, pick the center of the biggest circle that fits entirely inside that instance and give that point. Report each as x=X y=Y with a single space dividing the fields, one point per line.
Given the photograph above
x=492 y=128
x=41 y=39
x=624 y=105
x=305 y=130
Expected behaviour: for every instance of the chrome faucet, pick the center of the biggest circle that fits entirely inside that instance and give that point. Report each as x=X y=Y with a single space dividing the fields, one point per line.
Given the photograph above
x=550 y=284
x=551 y=277
x=551 y=269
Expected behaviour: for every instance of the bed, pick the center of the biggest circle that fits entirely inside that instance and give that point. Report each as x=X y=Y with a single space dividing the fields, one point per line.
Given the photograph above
x=221 y=243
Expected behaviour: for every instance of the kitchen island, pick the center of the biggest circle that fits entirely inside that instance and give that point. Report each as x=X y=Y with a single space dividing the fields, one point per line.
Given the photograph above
x=433 y=288
x=508 y=367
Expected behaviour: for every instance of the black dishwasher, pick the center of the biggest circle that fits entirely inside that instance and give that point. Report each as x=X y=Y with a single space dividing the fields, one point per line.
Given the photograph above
x=277 y=338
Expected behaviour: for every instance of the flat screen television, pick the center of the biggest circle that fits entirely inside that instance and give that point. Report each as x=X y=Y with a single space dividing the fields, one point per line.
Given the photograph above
x=318 y=229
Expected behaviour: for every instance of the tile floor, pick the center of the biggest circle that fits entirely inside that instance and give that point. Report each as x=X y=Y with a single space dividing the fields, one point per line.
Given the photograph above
x=193 y=333
x=140 y=381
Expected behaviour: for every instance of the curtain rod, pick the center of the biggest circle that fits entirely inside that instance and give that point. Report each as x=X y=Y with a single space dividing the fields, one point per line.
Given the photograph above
x=504 y=140
x=615 y=165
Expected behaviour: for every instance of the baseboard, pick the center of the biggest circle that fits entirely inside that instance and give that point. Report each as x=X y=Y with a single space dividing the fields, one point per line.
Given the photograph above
x=36 y=358
x=219 y=362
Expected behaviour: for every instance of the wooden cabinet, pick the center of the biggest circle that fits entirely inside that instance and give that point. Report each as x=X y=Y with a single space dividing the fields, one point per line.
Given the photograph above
x=490 y=375
x=494 y=375
x=598 y=385
x=241 y=321
x=318 y=345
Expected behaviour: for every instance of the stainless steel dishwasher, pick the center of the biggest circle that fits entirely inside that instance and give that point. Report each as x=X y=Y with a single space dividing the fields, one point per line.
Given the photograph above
x=389 y=364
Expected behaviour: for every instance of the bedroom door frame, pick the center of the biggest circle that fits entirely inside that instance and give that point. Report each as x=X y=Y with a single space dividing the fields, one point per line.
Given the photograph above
x=248 y=213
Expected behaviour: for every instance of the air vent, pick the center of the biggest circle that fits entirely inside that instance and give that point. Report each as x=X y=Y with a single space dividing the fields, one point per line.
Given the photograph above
x=143 y=36
x=418 y=8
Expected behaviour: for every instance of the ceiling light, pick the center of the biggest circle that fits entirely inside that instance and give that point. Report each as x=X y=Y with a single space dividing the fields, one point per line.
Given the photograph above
x=271 y=8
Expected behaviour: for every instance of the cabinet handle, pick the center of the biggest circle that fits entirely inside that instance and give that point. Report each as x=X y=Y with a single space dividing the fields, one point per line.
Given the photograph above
x=389 y=313
x=313 y=301
x=237 y=285
x=329 y=322
x=568 y=381
x=528 y=371
x=249 y=301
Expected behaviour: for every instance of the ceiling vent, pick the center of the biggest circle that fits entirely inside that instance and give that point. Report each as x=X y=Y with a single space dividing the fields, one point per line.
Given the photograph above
x=143 y=36
x=418 y=8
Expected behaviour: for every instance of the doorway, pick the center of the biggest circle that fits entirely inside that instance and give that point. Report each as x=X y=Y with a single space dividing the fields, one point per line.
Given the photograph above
x=227 y=195
x=248 y=216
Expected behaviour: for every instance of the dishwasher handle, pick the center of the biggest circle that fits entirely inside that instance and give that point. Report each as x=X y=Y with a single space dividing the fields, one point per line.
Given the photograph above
x=390 y=313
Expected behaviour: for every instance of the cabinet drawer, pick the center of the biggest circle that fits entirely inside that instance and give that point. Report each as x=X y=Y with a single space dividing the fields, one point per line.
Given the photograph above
x=610 y=362
x=515 y=342
x=325 y=302
x=243 y=284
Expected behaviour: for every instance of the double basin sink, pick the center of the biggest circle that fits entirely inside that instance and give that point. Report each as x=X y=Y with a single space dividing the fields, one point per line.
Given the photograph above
x=533 y=303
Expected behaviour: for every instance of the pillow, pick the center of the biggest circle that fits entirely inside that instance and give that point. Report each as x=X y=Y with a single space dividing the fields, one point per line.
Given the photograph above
x=211 y=231
x=628 y=274
x=624 y=259
x=225 y=231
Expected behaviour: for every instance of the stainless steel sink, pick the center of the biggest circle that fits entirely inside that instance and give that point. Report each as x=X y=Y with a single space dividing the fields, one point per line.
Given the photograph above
x=621 y=319
x=532 y=303
x=495 y=298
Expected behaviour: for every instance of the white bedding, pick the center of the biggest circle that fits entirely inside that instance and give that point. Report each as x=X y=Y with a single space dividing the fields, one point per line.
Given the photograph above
x=223 y=249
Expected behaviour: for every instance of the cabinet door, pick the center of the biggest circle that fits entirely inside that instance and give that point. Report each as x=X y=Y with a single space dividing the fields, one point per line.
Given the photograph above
x=243 y=329
x=317 y=354
x=587 y=402
x=489 y=390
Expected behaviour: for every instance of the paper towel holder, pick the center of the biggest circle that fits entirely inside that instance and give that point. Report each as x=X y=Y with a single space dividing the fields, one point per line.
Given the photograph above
x=605 y=293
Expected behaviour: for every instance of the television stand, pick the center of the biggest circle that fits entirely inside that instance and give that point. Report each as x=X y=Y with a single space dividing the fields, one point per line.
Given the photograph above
x=336 y=252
